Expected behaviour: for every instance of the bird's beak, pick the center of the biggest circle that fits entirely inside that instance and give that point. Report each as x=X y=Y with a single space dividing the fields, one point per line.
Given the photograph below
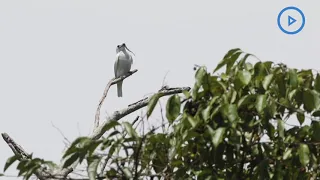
x=129 y=50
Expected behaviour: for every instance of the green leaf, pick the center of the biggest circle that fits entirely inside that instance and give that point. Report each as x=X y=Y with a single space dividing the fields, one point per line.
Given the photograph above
x=186 y=94
x=217 y=135
x=287 y=154
x=243 y=62
x=200 y=74
x=31 y=170
x=231 y=52
x=261 y=103
x=311 y=100
x=93 y=163
x=230 y=111
x=300 y=117
x=293 y=78
x=260 y=69
x=280 y=128
x=71 y=159
x=304 y=154
x=247 y=99
x=292 y=94
x=316 y=114
x=266 y=81
x=111 y=173
x=152 y=103
x=305 y=78
x=315 y=125
x=226 y=59
x=193 y=121
x=232 y=60
x=173 y=108
x=248 y=66
x=263 y=169
x=280 y=80
x=110 y=124
x=317 y=83
x=127 y=173
x=1 y=174
x=206 y=113
x=73 y=146
x=130 y=130
x=10 y=161
x=272 y=108
x=93 y=146
x=233 y=97
x=244 y=77
x=22 y=166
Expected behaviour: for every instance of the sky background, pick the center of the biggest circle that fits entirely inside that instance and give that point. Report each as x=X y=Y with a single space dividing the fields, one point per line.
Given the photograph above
x=56 y=57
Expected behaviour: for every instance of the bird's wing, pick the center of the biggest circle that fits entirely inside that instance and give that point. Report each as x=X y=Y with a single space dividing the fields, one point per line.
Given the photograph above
x=131 y=59
x=116 y=64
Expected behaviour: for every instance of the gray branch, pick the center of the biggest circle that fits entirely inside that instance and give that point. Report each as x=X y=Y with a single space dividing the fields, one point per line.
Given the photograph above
x=133 y=107
x=117 y=115
x=111 y=82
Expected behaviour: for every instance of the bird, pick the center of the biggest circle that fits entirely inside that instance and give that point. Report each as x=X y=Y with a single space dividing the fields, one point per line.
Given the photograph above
x=122 y=64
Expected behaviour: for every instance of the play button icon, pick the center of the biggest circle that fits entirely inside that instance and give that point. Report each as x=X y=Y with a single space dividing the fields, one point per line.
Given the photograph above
x=291 y=20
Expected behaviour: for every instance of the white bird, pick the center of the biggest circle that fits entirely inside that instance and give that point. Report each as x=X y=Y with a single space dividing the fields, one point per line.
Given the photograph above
x=122 y=64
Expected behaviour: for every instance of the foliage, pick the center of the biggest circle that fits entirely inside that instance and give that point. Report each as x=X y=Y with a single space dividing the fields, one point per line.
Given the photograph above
x=230 y=126
x=28 y=166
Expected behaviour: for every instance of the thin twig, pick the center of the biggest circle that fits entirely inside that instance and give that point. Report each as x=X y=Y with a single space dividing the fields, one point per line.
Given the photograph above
x=162 y=118
x=111 y=82
x=164 y=78
x=61 y=133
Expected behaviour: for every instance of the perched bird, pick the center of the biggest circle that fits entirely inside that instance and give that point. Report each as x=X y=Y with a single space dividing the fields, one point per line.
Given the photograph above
x=122 y=64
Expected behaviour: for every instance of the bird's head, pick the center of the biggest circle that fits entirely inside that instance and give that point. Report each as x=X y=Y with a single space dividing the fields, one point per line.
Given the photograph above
x=118 y=48
x=123 y=47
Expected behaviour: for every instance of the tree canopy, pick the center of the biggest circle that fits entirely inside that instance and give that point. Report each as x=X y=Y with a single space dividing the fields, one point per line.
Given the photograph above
x=230 y=125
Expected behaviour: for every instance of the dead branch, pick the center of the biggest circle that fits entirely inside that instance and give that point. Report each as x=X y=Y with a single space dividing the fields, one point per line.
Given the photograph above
x=117 y=115
x=16 y=148
x=133 y=107
x=111 y=82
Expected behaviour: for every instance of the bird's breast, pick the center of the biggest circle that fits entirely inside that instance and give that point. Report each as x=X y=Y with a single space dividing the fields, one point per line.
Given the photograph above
x=123 y=65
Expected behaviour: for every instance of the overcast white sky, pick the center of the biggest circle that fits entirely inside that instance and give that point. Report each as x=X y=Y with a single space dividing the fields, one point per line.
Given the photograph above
x=57 y=56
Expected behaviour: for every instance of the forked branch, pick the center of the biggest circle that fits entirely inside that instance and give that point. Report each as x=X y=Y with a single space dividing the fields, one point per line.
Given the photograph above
x=111 y=82
x=117 y=115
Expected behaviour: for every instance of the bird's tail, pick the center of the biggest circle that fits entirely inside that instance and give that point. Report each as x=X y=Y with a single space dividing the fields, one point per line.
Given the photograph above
x=119 y=88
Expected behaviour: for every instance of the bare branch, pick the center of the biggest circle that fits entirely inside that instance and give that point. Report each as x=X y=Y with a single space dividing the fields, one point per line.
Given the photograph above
x=16 y=148
x=111 y=82
x=99 y=131
x=165 y=91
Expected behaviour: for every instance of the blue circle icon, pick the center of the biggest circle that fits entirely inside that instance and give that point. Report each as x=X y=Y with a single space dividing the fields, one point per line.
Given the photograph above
x=291 y=20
